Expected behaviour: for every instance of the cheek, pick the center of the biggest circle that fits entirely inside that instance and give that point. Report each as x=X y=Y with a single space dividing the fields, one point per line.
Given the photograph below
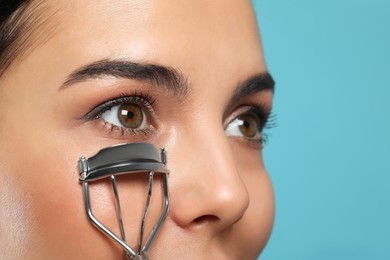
x=254 y=229
x=47 y=215
x=260 y=214
x=15 y=228
x=257 y=223
x=50 y=208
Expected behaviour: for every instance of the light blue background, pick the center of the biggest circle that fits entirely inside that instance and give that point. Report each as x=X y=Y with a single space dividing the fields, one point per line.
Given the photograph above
x=329 y=156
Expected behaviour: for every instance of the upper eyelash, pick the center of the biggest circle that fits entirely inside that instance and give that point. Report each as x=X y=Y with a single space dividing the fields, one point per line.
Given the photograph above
x=135 y=97
x=140 y=94
x=270 y=123
x=267 y=119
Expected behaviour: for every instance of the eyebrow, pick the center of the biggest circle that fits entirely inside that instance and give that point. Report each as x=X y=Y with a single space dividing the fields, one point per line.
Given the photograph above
x=257 y=83
x=171 y=79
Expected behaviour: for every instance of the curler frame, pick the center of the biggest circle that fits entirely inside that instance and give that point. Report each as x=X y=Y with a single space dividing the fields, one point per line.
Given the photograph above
x=126 y=159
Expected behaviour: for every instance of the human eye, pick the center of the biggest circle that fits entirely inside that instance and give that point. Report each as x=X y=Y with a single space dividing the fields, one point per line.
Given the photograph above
x=128 y=114
x=249 y=123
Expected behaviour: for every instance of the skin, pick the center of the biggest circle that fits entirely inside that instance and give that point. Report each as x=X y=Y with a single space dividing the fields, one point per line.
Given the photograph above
x=222 y=204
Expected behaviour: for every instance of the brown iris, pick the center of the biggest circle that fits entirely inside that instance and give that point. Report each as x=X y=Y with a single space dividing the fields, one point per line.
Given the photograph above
x=130 y=115
x=249 y=127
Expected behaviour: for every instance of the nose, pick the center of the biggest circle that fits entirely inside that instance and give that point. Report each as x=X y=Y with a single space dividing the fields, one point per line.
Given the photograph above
x=207 y=189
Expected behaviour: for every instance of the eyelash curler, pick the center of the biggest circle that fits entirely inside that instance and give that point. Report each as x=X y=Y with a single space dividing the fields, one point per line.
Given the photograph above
x=126 y=159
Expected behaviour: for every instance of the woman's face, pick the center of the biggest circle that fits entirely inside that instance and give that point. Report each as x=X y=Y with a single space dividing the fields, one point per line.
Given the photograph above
x=193 y=74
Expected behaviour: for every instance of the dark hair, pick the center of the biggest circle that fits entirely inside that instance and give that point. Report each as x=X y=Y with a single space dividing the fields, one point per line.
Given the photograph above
x=11 y=29
x=8 y=7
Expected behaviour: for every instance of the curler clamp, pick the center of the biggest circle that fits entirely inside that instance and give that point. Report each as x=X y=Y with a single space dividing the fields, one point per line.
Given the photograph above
x=126 y=159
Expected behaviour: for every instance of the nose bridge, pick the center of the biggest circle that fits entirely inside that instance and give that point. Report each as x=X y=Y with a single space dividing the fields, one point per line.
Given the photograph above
x=210 y=187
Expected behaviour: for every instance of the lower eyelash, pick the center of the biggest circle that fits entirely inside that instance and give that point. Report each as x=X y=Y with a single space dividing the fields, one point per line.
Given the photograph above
x=264 y=139
x=126 y=131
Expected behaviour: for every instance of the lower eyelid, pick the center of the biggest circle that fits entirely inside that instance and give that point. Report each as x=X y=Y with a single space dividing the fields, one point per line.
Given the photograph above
x=257 y=145
x=116 y=132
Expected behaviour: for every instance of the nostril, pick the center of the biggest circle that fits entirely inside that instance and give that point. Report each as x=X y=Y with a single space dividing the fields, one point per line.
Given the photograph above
x=206 y=219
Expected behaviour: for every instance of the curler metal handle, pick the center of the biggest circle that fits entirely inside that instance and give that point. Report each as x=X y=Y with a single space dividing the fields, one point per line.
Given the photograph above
x=126 y=159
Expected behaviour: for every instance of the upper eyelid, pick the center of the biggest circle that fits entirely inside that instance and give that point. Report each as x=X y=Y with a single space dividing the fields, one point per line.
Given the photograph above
x=263 y=115
x=107 y=105
x=262 y=111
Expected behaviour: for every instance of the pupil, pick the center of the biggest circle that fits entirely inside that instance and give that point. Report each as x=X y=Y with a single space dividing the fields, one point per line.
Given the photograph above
x=246 y=124
x=130 y=114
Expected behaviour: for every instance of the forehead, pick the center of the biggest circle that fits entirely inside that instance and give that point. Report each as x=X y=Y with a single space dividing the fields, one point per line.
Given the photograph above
x=206 y=40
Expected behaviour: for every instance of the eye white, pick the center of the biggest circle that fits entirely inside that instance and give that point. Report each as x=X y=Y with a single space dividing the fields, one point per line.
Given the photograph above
x=111 y=116
x=233 y=129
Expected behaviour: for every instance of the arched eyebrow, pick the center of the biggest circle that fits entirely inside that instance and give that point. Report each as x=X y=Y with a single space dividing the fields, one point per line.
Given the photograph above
x=163 y=76
x=257 y=83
